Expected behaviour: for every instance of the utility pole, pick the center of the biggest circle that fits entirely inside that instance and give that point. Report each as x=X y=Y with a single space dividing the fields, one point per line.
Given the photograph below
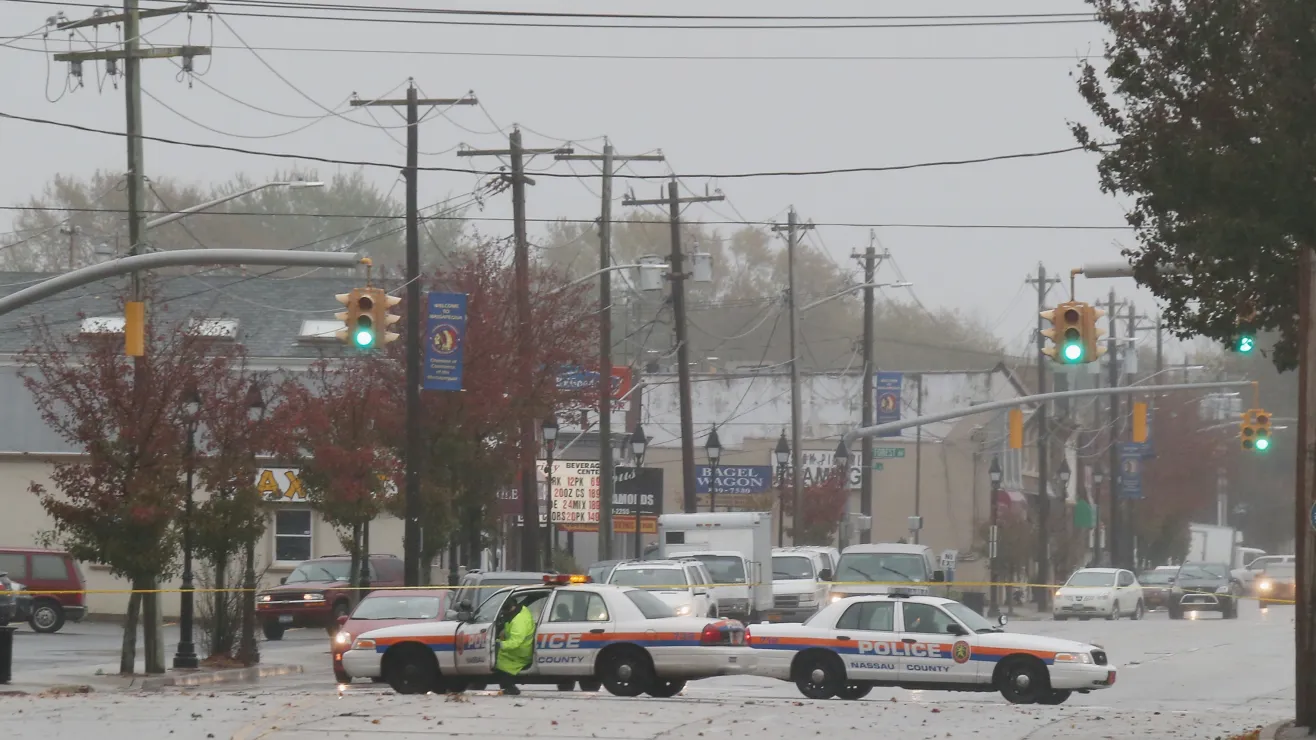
x=918 y=461
x=1044 y=284
x=607 y=478
x=521 y=268
x=132 y=55
x=1113 y=407
x=870 y=258
x=1304 y=625
x=1127 y=543
x=792 y=229
x=677 y=275
x=411 y=537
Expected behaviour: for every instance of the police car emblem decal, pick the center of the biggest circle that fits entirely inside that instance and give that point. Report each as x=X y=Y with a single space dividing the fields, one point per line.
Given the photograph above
x=961 y=652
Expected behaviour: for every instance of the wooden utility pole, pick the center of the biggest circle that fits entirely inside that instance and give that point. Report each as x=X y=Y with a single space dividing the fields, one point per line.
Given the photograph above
x=1043 y=284
x=792 y=229
x=871 y=259
x=677 y=275
x=411 y=536
x=521 y=267
x=132 y=55
x=607 y=479
x=1304 y=515
x=1113 y=548
x=1128 y=541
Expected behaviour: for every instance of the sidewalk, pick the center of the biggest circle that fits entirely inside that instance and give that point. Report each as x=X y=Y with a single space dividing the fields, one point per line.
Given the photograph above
x=1284 y=731
x=106 y=678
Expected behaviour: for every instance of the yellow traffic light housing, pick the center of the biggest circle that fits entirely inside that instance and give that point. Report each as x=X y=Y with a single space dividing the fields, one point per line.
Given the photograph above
x=1262 y=419
x=1066 y=333
x=358 y=319
x=384 y=303
x=1254 y=432
x=1092 y=334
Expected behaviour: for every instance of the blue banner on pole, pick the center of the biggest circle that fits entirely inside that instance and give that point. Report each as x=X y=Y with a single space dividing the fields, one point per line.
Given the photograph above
x=887 y=387
x=445 y=341
x=734 y=478
x=1131 y=471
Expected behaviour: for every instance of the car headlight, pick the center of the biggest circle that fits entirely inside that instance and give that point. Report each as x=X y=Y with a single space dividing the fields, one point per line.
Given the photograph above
x=1073 y=658
x=1264 y=586
x=1222 y=590
x=266 y=598
x=683 y=610
x=363 y=644
x=312 y=597
x=342 y=638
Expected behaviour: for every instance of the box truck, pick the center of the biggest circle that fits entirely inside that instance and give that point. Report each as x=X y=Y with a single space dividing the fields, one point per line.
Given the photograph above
x=735 y=546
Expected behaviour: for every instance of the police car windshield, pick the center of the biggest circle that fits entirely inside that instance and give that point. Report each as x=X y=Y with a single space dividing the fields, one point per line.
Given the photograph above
x=723 y=568
x=1091 y=579
x=673 y=578
x=649 y=605
x=877 y=567
x=971 y=619
x=399 y=607
x=791 y=568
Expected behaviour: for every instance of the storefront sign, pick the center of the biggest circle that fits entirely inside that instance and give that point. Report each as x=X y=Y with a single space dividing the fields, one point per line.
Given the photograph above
x=284 y=486
x=818 y=465
x=575 y=379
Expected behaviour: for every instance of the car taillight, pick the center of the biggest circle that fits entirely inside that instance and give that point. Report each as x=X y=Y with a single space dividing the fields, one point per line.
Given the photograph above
x=747 y=633
x=711 y=635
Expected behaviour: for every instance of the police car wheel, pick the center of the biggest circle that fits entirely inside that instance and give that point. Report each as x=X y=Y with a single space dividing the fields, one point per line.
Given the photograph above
x=590 y=685
x=341 y=676
x=626 y=671
x=854 y=691
x=1055 y=698
x=1023 y=680
x=566 y=686
x=819 y=675
x=411 y=669
x=663 y=689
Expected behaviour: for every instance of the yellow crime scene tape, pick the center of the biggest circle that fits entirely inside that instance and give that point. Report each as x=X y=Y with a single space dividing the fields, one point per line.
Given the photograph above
x=942 y=587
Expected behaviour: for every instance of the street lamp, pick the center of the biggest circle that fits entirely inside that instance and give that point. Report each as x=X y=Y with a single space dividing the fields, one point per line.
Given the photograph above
x=841 y=458
x=172 y=217
x=994 y=473
x=1063 y=474
x=638 y=444
x=714 y=449
x=783 y=456
x=247 y=646
x=549 y=429
x=186 y=656
x=1098 y=477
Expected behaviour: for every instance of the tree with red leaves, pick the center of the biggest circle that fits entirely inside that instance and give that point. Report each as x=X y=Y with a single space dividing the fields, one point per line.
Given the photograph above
x=339 y=416
x=471 y=438
x=823 y=506
x=119 y=505
x=1178 y=482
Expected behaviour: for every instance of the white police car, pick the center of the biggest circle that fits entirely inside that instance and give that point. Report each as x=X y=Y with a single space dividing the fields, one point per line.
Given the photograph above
x=625 y=639
x=922 y=642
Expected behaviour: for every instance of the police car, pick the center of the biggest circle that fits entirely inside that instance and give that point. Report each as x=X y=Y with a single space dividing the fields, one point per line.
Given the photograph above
x=625 y=639
x=922 y=642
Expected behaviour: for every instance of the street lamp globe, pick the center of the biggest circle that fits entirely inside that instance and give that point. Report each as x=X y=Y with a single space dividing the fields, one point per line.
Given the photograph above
x=638 y=442
x=255 y=401
x=842 y=455
x=994 y=472
x=1063 y=472
x=713 y=447
x=549 y=428
x=191 y=402
x=783 y=451
x=1098 y=476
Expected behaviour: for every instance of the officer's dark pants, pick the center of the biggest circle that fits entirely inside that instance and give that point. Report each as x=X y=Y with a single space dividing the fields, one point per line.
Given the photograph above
x=505 y=679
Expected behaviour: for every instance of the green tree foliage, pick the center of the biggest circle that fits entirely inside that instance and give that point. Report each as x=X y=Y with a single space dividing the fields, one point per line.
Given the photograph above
x=1204 y=117
x=73 y=217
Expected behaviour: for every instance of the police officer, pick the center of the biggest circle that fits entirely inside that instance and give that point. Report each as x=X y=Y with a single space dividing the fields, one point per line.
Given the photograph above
x=516 y=644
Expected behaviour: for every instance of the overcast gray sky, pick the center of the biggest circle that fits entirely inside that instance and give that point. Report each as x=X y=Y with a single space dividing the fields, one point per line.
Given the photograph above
x=894 y=96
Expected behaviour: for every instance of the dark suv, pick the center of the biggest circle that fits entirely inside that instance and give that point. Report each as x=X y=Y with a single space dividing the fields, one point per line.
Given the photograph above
x=1204 y=587
x=317 y=592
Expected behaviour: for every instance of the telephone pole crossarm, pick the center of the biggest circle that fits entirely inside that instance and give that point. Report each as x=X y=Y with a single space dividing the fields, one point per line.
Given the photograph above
x=395 y=102
x=103 y=19
x=668 y=201
x=156 y=52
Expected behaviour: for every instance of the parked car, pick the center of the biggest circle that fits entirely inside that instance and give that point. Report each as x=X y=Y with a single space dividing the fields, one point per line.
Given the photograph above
x=1278 y=583
x=600 y=571
x=317 y=593
x=10 y=611
x=1156 y=587
x=477 y=585
x=681 y=584
x=1099 y=592
x=1250 y=574
x=1205 y=587
x=382 y=609
x=47 y=571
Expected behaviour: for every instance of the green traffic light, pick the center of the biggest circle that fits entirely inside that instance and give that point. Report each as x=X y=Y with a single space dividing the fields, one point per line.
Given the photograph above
x=1245 y=344
x=364 y=338
x=1263 y=444
x=1073 y=352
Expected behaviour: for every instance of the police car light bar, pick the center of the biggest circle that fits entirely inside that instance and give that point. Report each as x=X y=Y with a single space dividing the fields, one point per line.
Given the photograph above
x=900 y=593
x=562 y=579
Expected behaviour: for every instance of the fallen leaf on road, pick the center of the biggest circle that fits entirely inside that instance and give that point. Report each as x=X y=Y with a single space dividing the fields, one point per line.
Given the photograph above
x=375 y=721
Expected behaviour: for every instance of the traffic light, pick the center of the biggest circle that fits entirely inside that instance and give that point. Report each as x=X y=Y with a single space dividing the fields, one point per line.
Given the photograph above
x=367 y=318
x=1066 y=333
x=1092 y=334
x=384 y=303
x=1254 y=432
x=1245 y=343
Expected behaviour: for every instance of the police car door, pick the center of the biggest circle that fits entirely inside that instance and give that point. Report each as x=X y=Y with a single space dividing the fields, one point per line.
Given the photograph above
x=866 y=639
x=474 y=640
x=576 y=626
x=930 y=651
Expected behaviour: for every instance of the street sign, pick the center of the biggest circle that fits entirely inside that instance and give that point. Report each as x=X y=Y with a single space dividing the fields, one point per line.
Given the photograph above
x=877 y=467
x=1130 y=471
x=887 y=453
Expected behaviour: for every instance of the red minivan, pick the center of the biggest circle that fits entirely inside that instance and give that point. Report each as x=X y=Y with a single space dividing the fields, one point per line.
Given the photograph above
x=47 y=570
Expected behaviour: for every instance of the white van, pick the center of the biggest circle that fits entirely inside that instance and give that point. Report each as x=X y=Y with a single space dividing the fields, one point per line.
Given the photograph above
x=868 y=569
x=799 y=583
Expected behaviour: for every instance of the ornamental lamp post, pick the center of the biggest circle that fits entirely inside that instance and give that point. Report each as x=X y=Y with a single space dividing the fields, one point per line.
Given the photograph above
x=783 y=457
x=549 y=429
x=993 y=536
x=1098 y=531
x=638 y=444
x=186 y=656
x=714 y=449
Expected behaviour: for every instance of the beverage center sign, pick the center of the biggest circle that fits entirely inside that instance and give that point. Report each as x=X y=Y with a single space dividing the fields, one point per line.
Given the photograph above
x=576 y=496
x=575 y=492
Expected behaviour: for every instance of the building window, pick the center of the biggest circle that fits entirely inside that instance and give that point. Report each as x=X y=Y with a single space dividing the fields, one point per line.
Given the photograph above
x=292 y=535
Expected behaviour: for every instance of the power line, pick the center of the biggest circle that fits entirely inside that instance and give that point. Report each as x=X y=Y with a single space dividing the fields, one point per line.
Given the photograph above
x=504 y=219
x=635 y=176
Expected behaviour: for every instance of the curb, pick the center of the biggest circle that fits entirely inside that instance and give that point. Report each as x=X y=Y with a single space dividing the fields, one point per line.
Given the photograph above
x=211 y=678
x=1272 y=731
